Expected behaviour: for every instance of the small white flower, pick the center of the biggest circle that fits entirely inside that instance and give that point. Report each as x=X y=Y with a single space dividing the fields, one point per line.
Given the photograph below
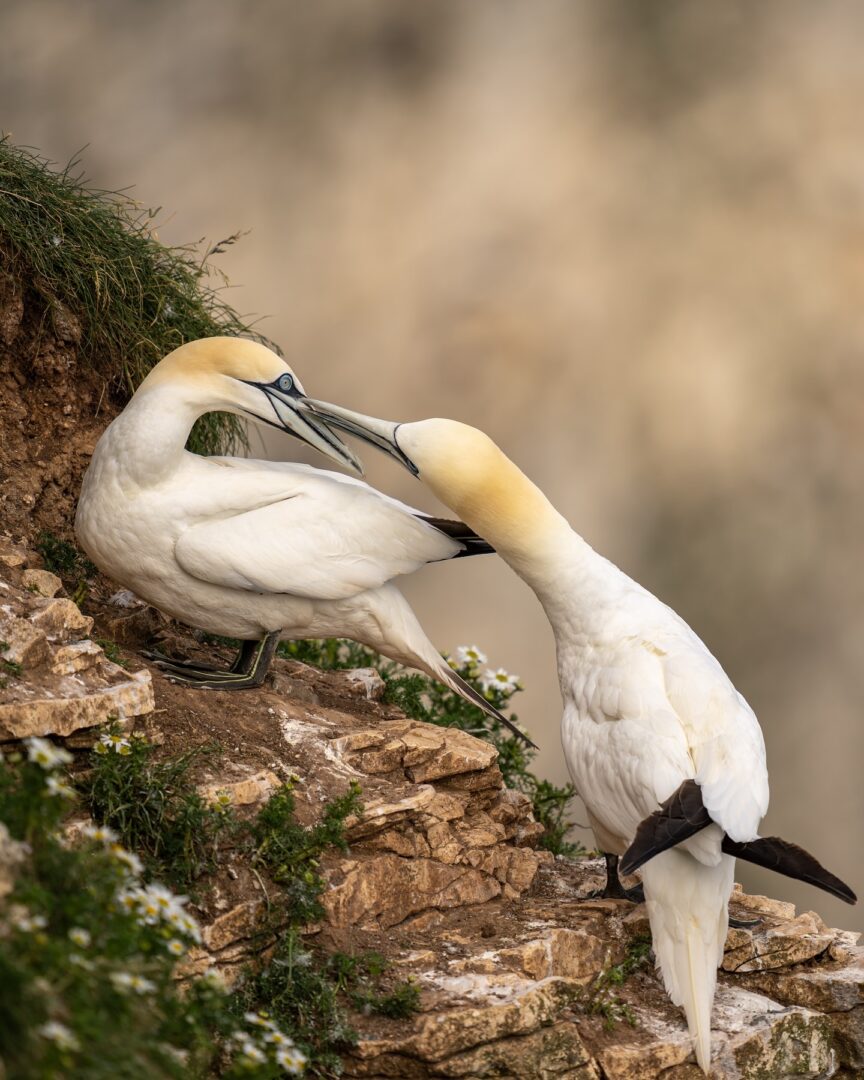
x=81 y=961
x=500 y=680
x=214 y=979
x=59 y=1034
x=223 y=800
x=45 y=753
x=124 y=980
x=129 y=859
x=470 y=655
x=291 y=1059
x=251 y=1054
x=100 y=833
x=56 y=240
x=80 y=937
x=167 y=311
x=258 y=1020
x=176 y=947
x=118 y=743
x=278 y=1038
x=28 y=923
x=56 y=787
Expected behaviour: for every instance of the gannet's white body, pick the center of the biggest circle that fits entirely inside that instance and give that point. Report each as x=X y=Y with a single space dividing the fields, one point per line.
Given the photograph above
x=647 y=708
x=248 y=548
x=646 y=705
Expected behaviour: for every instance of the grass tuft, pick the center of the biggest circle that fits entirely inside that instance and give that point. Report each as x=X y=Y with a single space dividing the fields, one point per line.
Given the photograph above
x=95 y=256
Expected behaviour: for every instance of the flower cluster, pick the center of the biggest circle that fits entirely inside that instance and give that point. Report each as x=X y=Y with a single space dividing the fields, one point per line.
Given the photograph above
x=154 y=905
x=126 y=982
x=467 y=662
x=267 y=1043
x=113 y=743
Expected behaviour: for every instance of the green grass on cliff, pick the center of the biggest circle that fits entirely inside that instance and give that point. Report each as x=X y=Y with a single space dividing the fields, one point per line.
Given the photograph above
x=95 y=254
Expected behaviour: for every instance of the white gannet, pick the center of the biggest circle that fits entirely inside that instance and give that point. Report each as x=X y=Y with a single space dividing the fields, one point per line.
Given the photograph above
x=666 y=754
x=256 y=550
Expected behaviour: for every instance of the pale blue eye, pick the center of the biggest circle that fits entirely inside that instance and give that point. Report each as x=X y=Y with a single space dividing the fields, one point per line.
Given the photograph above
x=286 y=383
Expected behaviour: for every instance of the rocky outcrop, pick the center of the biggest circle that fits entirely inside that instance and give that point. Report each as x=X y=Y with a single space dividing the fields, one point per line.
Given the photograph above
x=53 y=678
x=522 y=973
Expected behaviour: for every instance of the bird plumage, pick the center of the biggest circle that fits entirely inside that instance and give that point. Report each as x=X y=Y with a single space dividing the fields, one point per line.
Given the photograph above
x=660 y=745
x=245 y=548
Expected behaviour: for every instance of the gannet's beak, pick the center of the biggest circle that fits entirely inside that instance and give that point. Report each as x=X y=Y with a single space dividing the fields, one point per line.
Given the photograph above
x=382 y=434
x=288 y=413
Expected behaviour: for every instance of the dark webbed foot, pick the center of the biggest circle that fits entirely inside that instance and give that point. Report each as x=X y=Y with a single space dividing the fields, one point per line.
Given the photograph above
x=248 y=670
x=613 y=889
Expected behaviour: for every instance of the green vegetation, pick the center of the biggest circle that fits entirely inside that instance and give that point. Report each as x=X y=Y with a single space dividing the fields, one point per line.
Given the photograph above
x=291 y=852
x=601 y=998
x=95 y=254
x=155 y=808
x=88 y=954
x=426 y=699
x=68 y=562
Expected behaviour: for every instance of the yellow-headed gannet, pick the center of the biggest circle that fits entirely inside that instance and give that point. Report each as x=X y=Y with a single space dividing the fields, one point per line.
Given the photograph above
x=665 y=752
x=256 y=550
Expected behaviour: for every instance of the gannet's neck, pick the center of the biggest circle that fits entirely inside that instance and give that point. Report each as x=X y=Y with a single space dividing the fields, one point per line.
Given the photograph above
x=476 y=479
x=147 y=439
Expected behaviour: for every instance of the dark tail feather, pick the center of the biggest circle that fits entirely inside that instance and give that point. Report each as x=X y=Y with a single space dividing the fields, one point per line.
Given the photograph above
x=680 y=817
x=459 y=531
x=791 y=860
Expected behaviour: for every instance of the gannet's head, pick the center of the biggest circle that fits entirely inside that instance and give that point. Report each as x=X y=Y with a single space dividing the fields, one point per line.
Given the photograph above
x=459 y=463
x=233 y=374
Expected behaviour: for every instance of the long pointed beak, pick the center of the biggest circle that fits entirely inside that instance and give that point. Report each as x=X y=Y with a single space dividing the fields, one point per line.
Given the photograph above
x=303 y=423
x=381 y=434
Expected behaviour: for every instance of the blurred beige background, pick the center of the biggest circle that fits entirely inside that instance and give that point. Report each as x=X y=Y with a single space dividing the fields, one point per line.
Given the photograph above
x=626 y=238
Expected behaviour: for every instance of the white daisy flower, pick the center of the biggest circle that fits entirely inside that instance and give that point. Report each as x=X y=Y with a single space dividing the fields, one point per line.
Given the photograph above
x=100 y=833
x=176 y=947
x=45 y=753
x=278 y=1038
x=56 y=787
x=500 y=680
x=257 y=1020
x=291 y=1059
x=125 y=980
x=28 y=923
x=470 y=656
x=214 y=979
x=113 y=741
x=223 y=800
x=129 y=859
x=59 y=1034
x=250 y=1054
x=80 y=937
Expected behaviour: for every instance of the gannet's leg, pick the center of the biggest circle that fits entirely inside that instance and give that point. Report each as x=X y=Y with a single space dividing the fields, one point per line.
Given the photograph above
x=248 y=670
x=613 y=889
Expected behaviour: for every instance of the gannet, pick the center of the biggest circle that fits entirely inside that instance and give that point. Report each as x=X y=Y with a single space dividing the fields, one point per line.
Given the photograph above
x=256 y=550
x=667 y=755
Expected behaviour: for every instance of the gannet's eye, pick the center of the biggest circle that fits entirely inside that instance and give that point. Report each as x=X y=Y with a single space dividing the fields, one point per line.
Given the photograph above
x=285 y=383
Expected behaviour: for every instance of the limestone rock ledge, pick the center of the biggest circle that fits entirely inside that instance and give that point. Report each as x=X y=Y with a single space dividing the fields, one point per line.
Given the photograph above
x=511 y=953
x=53 y=678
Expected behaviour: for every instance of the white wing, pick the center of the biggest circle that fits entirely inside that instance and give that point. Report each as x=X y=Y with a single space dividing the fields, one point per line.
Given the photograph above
x=323 y=538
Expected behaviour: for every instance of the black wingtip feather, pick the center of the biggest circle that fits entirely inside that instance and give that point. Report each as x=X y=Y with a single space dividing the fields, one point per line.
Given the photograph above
x=791 y=860
x=680 y=817
x=463 y=534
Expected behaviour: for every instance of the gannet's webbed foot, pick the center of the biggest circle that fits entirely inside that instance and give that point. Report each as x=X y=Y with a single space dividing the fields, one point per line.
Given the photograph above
x=248 y=670
x=613 y=889
x=168 y=663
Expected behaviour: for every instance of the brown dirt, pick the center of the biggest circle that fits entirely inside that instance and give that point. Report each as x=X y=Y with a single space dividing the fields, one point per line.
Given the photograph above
x=52 y=410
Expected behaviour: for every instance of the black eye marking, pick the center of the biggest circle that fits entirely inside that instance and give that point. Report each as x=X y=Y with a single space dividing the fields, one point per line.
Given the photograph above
x=285 y=383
